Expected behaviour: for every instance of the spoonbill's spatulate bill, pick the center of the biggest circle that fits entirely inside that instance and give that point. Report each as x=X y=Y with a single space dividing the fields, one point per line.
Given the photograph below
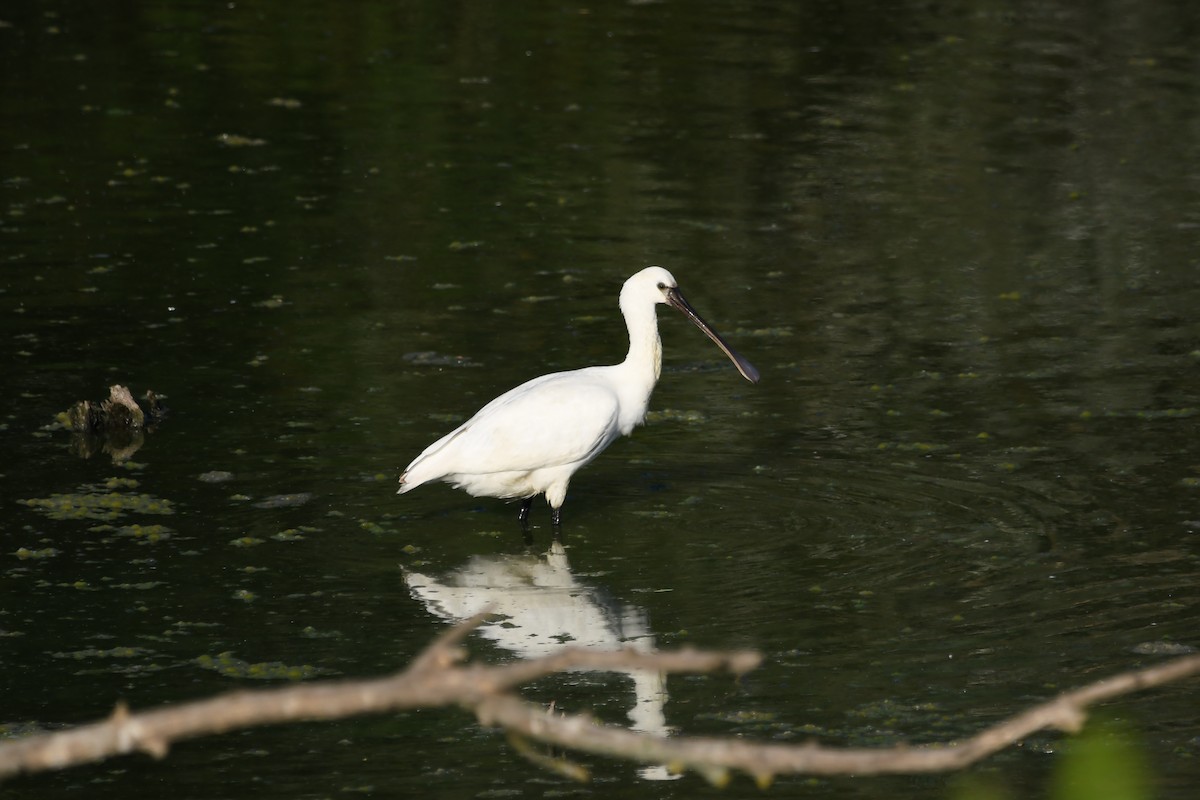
x=532 y=439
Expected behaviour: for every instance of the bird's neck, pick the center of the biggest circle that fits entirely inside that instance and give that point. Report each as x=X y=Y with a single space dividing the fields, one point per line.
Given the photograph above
x=645 y=348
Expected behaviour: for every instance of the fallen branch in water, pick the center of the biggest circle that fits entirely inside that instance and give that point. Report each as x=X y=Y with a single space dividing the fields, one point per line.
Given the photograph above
x=437 y=677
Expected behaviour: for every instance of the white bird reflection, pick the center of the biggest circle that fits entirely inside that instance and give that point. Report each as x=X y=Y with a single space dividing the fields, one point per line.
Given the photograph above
x=542 y=608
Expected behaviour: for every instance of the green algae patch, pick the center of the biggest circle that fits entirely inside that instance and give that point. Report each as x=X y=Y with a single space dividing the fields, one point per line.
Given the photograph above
x=656 y=513
x=112 y=652
x=1167 y=413
x=294 y=534
x=913 y=447
x=675 y=415
x=99 y=505
x=25 y=553
x=310 y=632
x=79 y=585
x=141 y=586
x=372 y=527
x=495 y=534
x=231 y=667
x=180 y=628
x=145 y=534
x=289 y=535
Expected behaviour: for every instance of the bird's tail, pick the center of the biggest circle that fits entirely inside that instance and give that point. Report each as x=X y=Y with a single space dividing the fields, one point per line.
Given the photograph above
x=429 y=466
x=416 y=474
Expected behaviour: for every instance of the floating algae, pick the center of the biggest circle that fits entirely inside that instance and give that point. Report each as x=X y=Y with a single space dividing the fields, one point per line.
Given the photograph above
x=675 y=415
x=289 y=535
x=284 y=500
x=99 y=505
x=112 y=652
x=25 y=553
x=229 y=666
x=145 y=534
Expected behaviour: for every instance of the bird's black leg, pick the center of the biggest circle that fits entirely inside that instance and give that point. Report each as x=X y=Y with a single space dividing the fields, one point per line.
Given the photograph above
x=523 y=516
x=556 y=518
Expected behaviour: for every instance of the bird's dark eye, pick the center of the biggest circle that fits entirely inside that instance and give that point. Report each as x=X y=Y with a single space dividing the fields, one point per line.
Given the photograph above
x=662 y=285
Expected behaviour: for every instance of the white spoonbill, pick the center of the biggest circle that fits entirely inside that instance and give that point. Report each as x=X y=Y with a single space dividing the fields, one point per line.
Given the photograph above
x=532 y=439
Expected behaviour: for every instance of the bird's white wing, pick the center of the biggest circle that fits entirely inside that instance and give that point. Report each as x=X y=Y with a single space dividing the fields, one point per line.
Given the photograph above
x=550 y=421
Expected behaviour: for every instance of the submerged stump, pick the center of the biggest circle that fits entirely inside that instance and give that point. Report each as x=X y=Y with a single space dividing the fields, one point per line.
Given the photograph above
x=115 y=425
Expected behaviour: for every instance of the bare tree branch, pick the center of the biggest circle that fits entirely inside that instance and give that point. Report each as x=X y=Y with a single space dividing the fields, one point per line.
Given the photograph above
x=432 y=680
x=437 y=677
x=714 y=756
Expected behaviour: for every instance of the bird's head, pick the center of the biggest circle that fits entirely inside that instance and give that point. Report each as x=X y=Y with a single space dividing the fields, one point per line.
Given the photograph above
x=655 y=285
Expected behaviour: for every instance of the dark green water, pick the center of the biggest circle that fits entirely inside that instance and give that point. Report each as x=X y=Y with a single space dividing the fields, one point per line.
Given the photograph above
x=959 y=244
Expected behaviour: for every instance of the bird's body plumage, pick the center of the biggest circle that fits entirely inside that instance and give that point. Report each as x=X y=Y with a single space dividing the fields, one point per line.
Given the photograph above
x=534 y=459
x=533 y=438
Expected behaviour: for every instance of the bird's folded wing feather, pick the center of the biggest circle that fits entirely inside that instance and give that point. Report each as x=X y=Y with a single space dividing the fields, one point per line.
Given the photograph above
x=549 y=421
